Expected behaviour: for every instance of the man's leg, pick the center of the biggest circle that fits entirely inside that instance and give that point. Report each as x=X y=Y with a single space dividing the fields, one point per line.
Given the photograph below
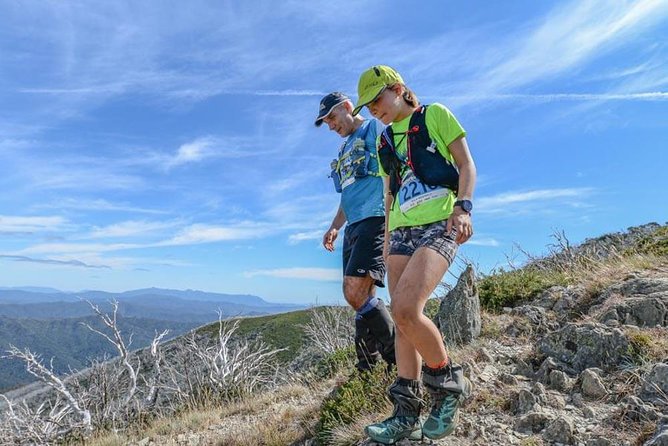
x=356 y=291
x=366 y=264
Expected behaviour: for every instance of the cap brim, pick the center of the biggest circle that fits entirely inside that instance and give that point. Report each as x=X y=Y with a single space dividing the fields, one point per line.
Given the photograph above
x=367 y=98
x=319 y=119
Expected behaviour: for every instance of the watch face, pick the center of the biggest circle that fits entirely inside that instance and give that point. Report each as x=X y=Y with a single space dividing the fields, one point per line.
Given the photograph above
x=466 y=205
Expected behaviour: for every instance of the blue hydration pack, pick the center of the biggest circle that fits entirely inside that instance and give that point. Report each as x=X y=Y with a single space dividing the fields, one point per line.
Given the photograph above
x=422 y=156
x=352 y=164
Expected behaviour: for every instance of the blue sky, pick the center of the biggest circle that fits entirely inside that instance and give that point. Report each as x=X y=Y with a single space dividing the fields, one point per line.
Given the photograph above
x=172 y=145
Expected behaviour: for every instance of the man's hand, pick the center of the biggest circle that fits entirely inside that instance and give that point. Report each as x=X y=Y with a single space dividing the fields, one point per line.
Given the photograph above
x=329 y=238
x=461 y=222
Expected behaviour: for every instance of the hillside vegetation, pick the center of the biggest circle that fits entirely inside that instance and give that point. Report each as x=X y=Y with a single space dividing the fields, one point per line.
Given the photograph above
x=573 y=350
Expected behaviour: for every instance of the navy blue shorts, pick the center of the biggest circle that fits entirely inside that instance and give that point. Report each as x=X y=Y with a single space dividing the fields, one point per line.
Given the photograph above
x=363 y=249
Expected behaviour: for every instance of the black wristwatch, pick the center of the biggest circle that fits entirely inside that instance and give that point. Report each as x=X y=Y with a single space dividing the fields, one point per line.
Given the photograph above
x=466 y=205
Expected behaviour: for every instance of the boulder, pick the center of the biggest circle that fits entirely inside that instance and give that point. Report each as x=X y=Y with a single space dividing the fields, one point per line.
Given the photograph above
x=560 y=299
x=560 y=381
x=533 y=422
x=581 y=346
x=636 y=410
x=524 y=402
x=645 y=285
x=458 y=316
x=591 y=384
x=560 y=431
x=655 y=386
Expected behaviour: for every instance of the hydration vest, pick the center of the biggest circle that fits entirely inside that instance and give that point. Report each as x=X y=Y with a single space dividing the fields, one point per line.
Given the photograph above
x=422 y=156
x=360 y=158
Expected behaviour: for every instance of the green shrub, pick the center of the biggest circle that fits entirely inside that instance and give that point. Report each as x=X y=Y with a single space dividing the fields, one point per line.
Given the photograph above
x=507 y=288
x=363 y=393
x=338 y=361
x=655 y=243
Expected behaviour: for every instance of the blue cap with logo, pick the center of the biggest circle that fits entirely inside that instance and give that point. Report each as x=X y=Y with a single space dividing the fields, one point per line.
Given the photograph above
x=328 y=103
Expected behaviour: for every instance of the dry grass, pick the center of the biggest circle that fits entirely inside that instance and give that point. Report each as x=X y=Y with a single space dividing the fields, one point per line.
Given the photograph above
x=606 y=272
x=353 y=433
x=488 y=400
x=648 y=345
x=273 y=418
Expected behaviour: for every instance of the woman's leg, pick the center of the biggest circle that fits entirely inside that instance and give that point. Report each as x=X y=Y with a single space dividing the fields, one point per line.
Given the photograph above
x=417 y=280
x=408 y=359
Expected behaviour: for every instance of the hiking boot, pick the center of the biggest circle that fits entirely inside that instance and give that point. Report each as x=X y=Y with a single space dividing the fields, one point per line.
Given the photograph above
x=381 y=327
x=448 y=388
x=395 y=429
x=365 y=346
x=405 y=420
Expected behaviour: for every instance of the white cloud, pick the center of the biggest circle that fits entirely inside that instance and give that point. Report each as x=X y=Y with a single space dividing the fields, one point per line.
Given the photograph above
x=129 y=228
x=506 y=201
x=483 y=241
x=294 y=239
x=320 y=274
x=98 y=205
x=203 y=233
x=194 y=151
x=570 y=36
x=9 y=223
x=554 y=97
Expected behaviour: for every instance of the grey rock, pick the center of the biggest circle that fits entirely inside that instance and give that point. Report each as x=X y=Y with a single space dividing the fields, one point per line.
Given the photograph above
x=549 y=297
x=458 y=316
x=592 y=385
x=522 y=368
x=538 y=389
x=525 y=402
x=144 y=441
x=533 y=422
x=555 y=400
x=568 y=300
x=588 y=412
x=586 y=345
x=655 y=387
x=549 y=365
x=485 y=355
x=636 y=410
x=577 y=400
x=509 y=379
x=560 y=381
x=644 y=286
x=534 y=314
x=599 y=442
x=560 y=431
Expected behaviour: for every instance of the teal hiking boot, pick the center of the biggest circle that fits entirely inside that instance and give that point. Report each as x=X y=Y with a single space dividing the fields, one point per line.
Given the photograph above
x=448 y=388
x=395 y=429
x=405 y=420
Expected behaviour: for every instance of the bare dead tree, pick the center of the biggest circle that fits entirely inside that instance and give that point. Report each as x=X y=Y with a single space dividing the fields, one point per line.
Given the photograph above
x=67 y=414
x=116 y=339
x=330 y=329
x=35 y=367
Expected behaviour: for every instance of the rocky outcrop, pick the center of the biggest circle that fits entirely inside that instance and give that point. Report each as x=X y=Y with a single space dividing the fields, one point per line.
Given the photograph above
x=655 y=386
x=638 y=301
x=458 y=316
x=582 y=346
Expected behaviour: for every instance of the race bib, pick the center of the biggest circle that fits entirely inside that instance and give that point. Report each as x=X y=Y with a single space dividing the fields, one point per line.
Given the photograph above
x=414 y=192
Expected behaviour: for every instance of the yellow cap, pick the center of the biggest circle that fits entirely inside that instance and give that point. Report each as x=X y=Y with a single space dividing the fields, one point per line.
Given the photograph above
x=372 y=82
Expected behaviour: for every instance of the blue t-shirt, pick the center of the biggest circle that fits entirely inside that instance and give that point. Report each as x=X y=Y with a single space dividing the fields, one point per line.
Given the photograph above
x=361 y=197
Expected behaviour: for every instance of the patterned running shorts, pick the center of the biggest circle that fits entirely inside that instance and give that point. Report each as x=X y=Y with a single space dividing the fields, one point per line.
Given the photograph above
x=405 y=241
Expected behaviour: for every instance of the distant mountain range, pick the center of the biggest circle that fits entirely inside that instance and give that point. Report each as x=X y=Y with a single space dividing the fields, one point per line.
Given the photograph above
x=49 y=321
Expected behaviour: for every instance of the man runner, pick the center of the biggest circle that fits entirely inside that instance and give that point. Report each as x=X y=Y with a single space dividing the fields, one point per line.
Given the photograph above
x=356 y=178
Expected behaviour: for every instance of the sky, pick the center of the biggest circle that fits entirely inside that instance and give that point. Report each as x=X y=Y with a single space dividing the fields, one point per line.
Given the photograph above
x=172 y=145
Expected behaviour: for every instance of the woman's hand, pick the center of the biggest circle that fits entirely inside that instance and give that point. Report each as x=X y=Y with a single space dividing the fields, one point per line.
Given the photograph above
x=461 y=222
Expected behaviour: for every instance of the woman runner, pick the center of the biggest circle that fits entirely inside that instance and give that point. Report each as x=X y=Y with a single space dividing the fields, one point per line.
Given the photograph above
x=426 y=221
